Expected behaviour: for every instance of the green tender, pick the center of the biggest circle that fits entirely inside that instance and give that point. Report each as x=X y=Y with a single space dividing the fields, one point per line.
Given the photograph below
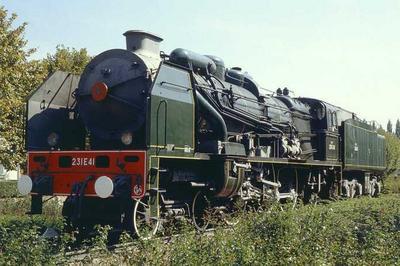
x=363 y=147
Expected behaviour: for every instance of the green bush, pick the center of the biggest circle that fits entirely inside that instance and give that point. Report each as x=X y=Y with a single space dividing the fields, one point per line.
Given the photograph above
x=360 y=231
x=21 y=241
x=14 y=206
x=392 y=153
x=20 y=234
x=392 y=184
x=8 y=189
x=20 y=206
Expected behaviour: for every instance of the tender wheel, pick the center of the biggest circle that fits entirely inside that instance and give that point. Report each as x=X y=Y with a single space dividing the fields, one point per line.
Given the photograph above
x=145 y=226
x=314 y=199
x=201 y=211
x=376 y=190
x=292 y=200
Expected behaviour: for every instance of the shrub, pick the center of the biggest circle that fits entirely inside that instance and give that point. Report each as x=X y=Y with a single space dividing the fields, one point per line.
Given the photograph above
x=359 y=231
x=392 y=184
x=8 y=189
x=21 y=241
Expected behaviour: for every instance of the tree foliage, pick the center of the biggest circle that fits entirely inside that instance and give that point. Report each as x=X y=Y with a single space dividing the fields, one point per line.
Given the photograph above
x=392 y=152
x=18 y=75
x=67 y=59
x=389 y=127
x=397 y=131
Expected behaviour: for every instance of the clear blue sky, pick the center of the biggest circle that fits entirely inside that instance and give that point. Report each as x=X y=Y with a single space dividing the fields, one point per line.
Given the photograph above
x=346 y=52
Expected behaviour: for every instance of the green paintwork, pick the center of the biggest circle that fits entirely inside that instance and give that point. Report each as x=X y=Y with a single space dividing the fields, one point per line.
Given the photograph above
x=363 y=147
x=172 y=98
x=328 y=143
x=170 y=124
x=179 y=123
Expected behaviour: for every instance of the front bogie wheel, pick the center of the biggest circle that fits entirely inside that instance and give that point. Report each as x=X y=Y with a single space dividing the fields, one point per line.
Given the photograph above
x=144 y=223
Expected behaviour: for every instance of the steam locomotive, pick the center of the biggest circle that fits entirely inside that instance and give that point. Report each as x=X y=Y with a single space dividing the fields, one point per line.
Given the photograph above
x=142 y=136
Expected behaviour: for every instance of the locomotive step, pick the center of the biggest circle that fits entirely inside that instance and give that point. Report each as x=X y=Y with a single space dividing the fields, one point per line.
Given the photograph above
x=155 y=170
x=159 y=190
x=195 y=184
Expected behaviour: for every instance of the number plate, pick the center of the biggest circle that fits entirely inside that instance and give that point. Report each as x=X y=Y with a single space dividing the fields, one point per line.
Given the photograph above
x=83 y=161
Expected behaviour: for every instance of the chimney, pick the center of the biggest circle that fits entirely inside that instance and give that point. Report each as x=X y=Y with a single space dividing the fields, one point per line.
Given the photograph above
x=142 y=42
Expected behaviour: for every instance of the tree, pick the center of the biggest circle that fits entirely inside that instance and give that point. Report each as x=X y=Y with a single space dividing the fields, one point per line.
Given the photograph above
x=392 y=153
x=67 y=59
x=397 y=131
x=373 y=125
x=389 y=127
x=392 y=147
x=18 y=76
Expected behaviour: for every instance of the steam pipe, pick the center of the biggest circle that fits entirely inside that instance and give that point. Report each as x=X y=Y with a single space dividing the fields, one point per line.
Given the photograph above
x=222 y=131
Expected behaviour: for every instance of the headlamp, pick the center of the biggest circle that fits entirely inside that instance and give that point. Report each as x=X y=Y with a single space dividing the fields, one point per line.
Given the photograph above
x=126 y=138
x=53 y=139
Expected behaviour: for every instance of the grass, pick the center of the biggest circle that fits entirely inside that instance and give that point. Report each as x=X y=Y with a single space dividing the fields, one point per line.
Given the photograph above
x=20 y=234
x=358 y=232
x=361 y=231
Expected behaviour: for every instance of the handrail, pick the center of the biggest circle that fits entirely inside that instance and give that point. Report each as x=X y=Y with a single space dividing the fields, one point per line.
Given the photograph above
x=165 y=103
